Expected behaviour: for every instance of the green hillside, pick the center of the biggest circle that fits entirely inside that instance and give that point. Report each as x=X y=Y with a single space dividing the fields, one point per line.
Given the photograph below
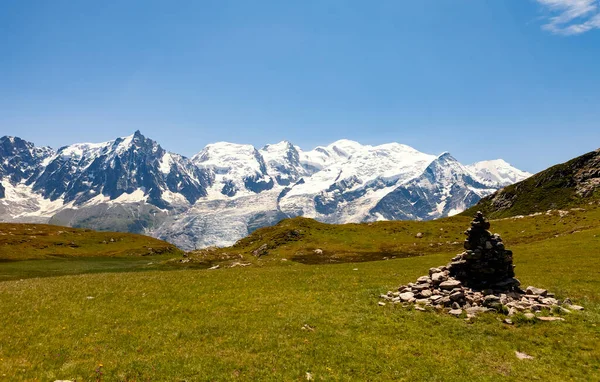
x=41 y=241
x=303 y=307
x=310 y=242
x=570 y=184
x=286 y=320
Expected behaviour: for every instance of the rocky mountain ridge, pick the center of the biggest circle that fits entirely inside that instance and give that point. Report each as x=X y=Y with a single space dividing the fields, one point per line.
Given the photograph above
x=227 y=190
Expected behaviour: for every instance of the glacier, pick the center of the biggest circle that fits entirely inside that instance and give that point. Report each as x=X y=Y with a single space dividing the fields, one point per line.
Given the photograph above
x=228 y=190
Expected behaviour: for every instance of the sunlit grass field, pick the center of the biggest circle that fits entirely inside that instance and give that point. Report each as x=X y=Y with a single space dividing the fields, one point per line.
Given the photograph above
x=247 y=323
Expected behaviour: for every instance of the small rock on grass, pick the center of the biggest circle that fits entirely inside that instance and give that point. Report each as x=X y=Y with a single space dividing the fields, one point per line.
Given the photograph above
x=536 y=291
x=455 y=312
x=508 y=321
x=529 y=316
x=551 y=319
x=575 y=307
x=381 y=303
x=420 y=309
x=522 y=355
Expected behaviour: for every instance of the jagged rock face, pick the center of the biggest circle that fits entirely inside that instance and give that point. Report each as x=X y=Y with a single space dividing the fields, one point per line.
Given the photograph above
x=226 y=190
x=20 y=160
x=445 y=188
x=79 y=173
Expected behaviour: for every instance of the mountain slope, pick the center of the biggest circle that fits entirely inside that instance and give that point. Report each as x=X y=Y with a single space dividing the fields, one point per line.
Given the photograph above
x=497 y=172
x=41 y=241
x=228 y=190
x=565 y=185
x=445 y=188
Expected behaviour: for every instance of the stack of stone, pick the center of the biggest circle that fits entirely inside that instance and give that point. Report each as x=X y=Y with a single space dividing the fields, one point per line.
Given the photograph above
x=485 y=263
x=478 y=280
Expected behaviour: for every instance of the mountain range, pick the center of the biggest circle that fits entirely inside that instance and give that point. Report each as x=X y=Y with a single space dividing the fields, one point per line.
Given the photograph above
x=228 y=190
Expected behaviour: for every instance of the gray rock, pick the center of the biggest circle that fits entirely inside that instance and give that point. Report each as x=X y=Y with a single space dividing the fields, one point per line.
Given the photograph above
x=423 y=279
x=491 y=299
x=438 y=277
x=476 y=309
x=551 y=319
x=455 y=312
x=457 y=295
x=549 y=301
x=522 y=355
x=406 y=296
x=536 y=291
x=575 y=307
x=420 y=287
x=450 y=284
x=260 y=251
x=529 y=316
x=425 y=293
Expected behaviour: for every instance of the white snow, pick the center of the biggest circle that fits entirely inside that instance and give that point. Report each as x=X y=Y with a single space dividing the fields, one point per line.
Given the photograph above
x=231 y=163
x=165 y=163
x=351 y=177
x=498 y=172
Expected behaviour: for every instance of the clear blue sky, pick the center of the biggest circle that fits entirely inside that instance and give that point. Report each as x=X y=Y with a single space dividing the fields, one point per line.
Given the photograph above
x=483 y=79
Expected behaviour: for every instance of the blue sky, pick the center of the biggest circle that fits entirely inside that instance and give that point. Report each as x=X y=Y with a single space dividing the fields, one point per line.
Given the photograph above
x=483 y=79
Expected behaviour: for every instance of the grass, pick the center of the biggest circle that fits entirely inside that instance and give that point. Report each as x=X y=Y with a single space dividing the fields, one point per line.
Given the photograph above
x=246 y=323
x=41 y=241
x=17 y=270
x=297 y=239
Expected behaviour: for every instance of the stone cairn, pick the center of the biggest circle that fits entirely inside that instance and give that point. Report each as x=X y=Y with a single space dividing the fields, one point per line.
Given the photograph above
x=480 y=279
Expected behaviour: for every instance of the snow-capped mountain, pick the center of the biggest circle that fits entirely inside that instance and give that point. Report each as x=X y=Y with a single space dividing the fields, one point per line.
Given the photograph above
x=132 y=168
x=227 y=190
x=237 y=169
x=497 y=172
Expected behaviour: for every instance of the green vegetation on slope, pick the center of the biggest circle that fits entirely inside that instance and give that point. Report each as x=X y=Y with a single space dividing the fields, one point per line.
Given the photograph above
x=310 y=242
x=570 y=184
x=41 y=241
x=247 y=323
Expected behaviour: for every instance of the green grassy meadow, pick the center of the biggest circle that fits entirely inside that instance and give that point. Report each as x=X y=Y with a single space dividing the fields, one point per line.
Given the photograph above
x=247 y=323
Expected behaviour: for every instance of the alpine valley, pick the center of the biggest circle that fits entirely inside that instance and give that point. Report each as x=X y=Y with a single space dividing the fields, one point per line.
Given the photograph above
x=228 y=190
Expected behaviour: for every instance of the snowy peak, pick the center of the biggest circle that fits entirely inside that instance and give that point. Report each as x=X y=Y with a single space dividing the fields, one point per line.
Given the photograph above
x=237 y=169
x=497 y=173
x=283 y=162
x=229 y=189
x=21 y=160
x=134 y=165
